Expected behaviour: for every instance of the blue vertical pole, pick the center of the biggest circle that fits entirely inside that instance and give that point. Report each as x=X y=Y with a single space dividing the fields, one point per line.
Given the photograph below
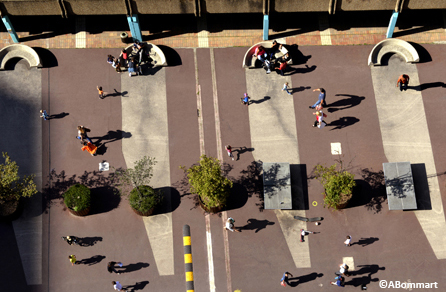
x=265 y=27
x=392 y=24
x=134 y=27
x=10 y=28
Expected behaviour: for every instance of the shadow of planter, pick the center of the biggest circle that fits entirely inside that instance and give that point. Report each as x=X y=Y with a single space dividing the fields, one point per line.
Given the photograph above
x=171 y=201
x=104 y=199
x=238 y=197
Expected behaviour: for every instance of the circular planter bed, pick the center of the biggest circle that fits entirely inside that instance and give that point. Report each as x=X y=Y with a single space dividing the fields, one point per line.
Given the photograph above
x=84 y=212
x=144 y=200
x=78 y=200
x=11 y=210
x=212 y=210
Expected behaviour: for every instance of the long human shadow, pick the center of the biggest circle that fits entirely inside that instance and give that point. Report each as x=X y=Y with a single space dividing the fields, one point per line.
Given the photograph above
x=293 y=70
x=132 y=267
x=91 y=261
x=58 y=116
x=364 y=280
x=110 y=137
x=137 y=286
x=241 y=150
x=343 y=123
x=351 y=101
x=260 y=100
x=117 y=93
x=298 y=89
x=254 y=224
x=428 y=85
x=89 y=241
x=293 y=282
x=365 y=241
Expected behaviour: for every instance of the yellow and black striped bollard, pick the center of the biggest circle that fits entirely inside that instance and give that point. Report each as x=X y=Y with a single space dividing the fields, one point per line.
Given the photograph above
x=188 y=259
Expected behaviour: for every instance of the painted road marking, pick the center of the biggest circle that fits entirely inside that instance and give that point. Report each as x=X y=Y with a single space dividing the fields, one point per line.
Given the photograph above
x=405 y=136
x=188 y=267
x=350 y=263
x=336 y=148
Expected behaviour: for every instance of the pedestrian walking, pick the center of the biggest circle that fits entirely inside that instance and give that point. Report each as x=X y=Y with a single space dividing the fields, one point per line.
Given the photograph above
x=321 y=98
x=348 y=241
x=229 y=150
x=340 y=281
x=403 y=82
x=320 y=123
x=230 y=225
x=82 y=133
x=44 y=115
x=111 y=267
x=117 y=286
x=101 y=92
x=70 y=239
x=90 y=148
x=285 y=88
x=343 y=270
x=72 y=259
x=245 y=99
x=303 y=233
x=284 y=280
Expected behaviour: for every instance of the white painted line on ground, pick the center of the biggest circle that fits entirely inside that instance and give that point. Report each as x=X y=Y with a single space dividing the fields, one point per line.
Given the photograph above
x=324 y=29
x=210 y=255
x=199 y=106
x=336 y=148
x=81 y=35
x=350 y=262
x=273 y=130
x=405 y=136
x=216 y=110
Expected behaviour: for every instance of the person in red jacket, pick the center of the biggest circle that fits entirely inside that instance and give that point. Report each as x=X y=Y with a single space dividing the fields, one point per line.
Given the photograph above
x=282 y=66
x=403 y=81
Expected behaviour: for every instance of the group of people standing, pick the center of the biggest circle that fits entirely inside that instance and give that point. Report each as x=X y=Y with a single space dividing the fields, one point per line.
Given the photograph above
x=131 y=61
x=269 y=60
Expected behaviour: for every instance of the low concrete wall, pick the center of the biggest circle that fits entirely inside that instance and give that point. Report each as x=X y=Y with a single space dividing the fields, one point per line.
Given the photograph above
x=113 y=7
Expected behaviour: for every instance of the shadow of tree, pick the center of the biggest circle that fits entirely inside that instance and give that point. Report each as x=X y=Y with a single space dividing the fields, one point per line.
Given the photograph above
x=58 y=183
x=251 y=179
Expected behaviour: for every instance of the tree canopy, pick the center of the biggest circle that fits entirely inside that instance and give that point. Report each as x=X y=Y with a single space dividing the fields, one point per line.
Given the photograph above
x=12 y=187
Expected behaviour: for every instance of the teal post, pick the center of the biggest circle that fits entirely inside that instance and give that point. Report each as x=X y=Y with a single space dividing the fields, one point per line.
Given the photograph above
x=392 y=24
x=134 y=27
x=265 y=27
x=10 y=28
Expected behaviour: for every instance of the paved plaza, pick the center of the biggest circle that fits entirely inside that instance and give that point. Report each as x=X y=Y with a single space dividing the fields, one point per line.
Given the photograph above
x=192 y=107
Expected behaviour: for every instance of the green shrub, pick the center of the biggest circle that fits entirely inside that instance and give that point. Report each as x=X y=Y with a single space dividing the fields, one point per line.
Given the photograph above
x=144 y=198
x=207 y=181
x=77 y=197
x=338 y=184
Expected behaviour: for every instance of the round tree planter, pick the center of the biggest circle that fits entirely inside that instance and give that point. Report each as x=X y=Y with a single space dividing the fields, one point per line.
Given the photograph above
x=212 y=210
x=343 y=205
x=148 y=213
x=84 y=212
x=11 y=210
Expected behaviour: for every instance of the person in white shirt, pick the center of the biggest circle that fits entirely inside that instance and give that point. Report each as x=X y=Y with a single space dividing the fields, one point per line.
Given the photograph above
x=348 y=241
x=230 y=225
x=118 y=286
